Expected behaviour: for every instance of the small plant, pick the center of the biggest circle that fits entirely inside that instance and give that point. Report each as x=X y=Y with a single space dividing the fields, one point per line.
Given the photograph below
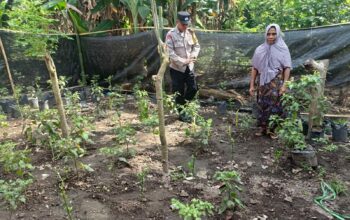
x=193 y=211
x=142 y=104
x=321 y=172
x=231 y=139
x=116 y=154
x=231 y=181
x=192 y=165
x=13 y=160
x=325 y=144
x=341 y=122
x=178 y=174
x=13 y=191
x=125 y=135
x=3 y=123
x=66 y=203
x=200 y=128
x=70 y=149
x=169 y=103
x=141 y=176
x=339 y=187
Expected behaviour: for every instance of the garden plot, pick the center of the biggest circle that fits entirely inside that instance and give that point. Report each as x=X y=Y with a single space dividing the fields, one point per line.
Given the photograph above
x=112 y=169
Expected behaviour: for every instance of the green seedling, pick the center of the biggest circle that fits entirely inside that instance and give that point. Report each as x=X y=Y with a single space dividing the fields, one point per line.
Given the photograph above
x=141 y=176
x=66 y=203
x=125 y=135
x=191 y=165
x=142 y=100
x=230 y=189
x=194 y=210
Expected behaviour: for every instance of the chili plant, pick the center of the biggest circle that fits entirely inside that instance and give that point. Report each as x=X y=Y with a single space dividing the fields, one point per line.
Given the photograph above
x=194 y=210
x=231 y=181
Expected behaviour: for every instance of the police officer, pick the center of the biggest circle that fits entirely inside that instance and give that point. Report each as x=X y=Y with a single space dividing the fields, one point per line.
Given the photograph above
x=183 y=49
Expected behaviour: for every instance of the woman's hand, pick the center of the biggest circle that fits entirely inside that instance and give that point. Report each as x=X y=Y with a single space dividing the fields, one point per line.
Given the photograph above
x=252 y=90
x=283 y=89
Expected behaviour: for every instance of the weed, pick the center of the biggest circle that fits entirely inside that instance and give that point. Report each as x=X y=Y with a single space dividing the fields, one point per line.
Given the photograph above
x=231 y=181
x=193 y=211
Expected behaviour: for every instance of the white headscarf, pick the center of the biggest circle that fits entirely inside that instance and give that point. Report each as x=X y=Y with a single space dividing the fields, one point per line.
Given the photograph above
x=270 y=60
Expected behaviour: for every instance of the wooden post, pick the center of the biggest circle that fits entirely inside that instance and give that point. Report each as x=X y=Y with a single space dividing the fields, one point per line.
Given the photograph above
x=159 y=94
x=56 y=91
x=7 y=68
x=315 y=115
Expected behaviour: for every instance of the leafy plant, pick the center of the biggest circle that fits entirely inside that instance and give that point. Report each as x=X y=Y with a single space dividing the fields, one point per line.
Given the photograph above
x=341 y=121
x=114 y=154
x=200 y=128
x=194 y=210
x=231 y=181
x=142 y=100
x=13 y=160
x=141 y=176
x=124 y=135
x=13 y=191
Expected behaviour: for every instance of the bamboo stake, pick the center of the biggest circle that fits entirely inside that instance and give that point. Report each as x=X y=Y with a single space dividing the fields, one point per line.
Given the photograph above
x=56 y=91
x=7 y=67
x=159 y=93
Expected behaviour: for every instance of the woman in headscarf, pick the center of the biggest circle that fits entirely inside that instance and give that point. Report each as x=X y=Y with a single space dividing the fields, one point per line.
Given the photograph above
x=271 y=68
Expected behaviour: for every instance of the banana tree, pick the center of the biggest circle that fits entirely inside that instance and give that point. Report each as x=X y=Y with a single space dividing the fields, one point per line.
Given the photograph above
x=40 y=41
x=137 y=8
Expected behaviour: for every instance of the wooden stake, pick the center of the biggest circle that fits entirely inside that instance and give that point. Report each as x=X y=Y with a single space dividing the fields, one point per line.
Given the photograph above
x=56 y=91
x=159 y=93
x=7 y=67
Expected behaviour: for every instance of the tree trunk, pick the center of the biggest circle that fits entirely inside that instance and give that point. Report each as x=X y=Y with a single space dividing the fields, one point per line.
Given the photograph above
x=56 y=91
x=7 y=68
x=315 y=115
x=159 y=93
